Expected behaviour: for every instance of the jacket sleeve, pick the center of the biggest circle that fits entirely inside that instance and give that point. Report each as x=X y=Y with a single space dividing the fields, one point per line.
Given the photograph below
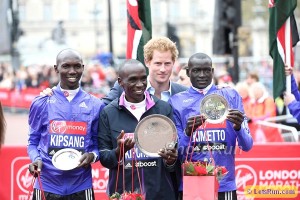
x=244 y=137
x=98 y=106
x=294 y=88
x=37 y=125
x=108 y=156
x=171 y=168
x=294 y=108
x=115 y=92
x=182 y=138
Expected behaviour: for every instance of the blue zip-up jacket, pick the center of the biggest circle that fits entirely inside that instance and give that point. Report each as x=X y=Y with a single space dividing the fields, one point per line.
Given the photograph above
x=154 y=174
x=294 y=106
x=221 y=137
x=55 y=123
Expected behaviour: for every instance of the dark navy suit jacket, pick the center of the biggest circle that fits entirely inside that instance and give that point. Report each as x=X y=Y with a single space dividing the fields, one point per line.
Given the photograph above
x=116 y=91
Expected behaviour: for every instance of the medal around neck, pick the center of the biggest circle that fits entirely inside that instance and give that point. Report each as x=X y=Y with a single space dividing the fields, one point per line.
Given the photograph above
x=215 y=108
x=66 y=159
x=155 y=132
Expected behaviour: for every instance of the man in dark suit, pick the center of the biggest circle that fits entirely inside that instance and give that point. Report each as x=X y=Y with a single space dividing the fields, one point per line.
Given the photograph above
x=160 y=55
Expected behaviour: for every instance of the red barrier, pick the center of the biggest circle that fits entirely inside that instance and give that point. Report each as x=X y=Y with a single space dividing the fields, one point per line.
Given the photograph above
x=268 y=164
x=15 y=179
x=22 y=98
x=5 y=97
x=18 y=98
x=265 y=164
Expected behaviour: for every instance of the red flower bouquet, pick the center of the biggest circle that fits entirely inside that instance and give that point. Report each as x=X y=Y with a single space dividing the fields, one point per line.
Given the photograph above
x=201 y=180
x=201 y=168
x=127 y=196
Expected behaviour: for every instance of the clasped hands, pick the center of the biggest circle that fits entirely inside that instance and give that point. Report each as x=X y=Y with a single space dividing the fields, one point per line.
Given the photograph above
x=234 y=115
x=35 y=167
x=168 y=154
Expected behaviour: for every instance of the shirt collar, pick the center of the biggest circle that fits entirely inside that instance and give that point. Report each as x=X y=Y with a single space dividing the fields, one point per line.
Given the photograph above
x=149 y=101
x=205 y=90
x=165 y=95
x=136 y=105
x=69 y=94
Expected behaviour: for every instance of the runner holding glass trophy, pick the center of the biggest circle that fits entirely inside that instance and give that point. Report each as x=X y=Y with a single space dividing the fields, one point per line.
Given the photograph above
x=210 y=122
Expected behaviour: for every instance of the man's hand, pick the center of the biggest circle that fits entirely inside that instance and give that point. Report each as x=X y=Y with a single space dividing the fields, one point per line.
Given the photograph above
x=169 y=155
x=47 y=92
x=236 y=117
x=128 y=144
x=35 y=167
x=288 y=70
x=86 y=159
x=193 y=123
x=288 y=98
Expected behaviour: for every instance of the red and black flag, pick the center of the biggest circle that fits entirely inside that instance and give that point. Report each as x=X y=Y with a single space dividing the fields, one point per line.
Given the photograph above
x=139 y=28
x=283 y=35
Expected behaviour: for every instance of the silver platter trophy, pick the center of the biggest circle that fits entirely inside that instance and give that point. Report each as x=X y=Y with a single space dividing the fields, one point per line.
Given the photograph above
x=215 y=108
x=66 y=159
x=155 y=132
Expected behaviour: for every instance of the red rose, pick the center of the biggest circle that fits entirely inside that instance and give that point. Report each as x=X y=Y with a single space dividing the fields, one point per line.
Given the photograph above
x=201 y=170
x=223 y=170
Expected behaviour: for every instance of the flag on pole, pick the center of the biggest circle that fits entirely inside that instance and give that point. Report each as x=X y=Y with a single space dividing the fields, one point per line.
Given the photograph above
x=283 y=35
x=139 y=28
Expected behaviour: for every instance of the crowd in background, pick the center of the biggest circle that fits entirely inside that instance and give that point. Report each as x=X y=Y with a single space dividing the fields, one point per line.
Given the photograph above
x=96 y=78
x=254 y=87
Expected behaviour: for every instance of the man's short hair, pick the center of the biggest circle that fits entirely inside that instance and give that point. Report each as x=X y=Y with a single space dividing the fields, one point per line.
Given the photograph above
x=124 y=65
x=59 y=55
x=161 y=44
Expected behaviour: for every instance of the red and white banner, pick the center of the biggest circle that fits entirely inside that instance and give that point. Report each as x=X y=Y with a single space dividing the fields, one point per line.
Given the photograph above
x=22 y=98
x=266 y=164
x=270 y=164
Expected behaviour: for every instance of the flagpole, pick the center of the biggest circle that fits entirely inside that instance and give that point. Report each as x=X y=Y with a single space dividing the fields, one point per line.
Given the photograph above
x=288 y=61
x=288 y=52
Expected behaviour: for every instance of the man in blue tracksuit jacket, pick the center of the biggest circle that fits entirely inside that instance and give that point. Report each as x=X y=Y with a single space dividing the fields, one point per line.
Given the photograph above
x=221 y=137
x=68 y=119
x=292 y=100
